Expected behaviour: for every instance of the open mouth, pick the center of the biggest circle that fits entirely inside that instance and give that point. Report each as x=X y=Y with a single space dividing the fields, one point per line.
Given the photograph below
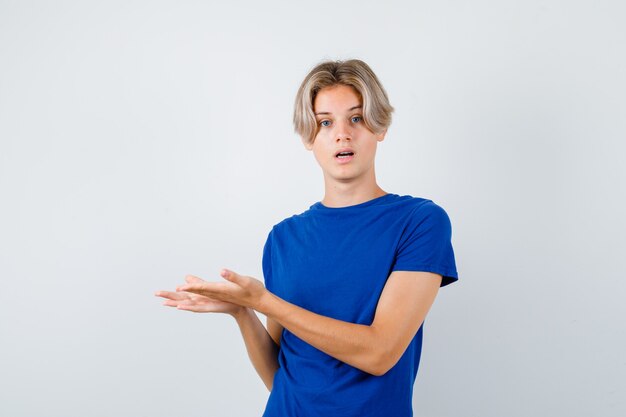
x=344 y=155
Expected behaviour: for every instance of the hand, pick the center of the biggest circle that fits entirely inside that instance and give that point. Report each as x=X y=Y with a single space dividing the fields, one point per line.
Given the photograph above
x=240 y=290
x=198 y=303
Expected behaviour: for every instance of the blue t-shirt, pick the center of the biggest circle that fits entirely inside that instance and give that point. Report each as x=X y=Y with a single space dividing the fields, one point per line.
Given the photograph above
x=335 y=262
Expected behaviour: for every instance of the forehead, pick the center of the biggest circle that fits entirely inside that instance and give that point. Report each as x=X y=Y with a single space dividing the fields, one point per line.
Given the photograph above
x=336 y=98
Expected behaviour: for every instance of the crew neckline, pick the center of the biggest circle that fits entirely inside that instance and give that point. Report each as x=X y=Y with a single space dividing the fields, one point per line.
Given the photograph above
x=373 y=201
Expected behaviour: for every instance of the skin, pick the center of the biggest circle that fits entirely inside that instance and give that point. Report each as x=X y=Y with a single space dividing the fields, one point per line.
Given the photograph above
x=403 y=304
x=339 y=127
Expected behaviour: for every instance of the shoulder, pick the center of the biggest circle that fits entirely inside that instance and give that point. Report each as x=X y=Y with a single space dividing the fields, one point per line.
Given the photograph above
x=430 y=208
x=288 y=223
x=421 y=214
x=419 y=206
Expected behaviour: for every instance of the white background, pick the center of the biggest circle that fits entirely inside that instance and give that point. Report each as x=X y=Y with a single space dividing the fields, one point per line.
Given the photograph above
x=142 y=141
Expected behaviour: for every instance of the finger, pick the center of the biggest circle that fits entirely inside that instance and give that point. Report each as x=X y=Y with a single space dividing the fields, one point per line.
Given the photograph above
x=222 y=291
x=172 y=295
x=205 y=287
x=193 y=309
x=192 y=279
x=186 y=287
x=184 y=303
x=192 y=289
x=190 y=307
x=231 y=276
x=171 y=303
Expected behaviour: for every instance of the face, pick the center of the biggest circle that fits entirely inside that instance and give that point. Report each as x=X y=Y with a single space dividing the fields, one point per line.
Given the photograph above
x=338 y=112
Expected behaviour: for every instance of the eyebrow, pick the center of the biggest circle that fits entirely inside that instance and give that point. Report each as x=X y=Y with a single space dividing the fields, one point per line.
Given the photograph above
x=350 y=109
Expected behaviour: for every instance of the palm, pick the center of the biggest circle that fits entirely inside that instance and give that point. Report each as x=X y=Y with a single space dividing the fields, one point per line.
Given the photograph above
x=196 y=302
x=206 y=304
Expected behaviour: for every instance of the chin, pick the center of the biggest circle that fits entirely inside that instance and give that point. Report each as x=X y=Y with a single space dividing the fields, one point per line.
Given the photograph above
x=345 y=177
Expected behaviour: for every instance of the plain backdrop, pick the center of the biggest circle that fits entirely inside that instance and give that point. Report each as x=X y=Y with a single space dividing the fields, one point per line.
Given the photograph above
x=141 y=141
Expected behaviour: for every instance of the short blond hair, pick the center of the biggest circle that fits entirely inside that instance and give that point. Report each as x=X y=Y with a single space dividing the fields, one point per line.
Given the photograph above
x=353 y=73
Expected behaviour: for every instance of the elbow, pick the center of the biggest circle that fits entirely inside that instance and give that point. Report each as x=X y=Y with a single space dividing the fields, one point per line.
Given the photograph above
x=382 y=361
x=379 y=369
x=380 y=353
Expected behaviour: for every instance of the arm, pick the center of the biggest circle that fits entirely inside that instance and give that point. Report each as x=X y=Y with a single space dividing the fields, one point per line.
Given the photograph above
x=261 y=348
x=275 y=330
x=402 y=307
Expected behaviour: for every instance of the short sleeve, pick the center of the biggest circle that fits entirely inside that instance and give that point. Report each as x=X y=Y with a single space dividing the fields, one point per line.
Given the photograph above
x=267 y=262
x=426 y=243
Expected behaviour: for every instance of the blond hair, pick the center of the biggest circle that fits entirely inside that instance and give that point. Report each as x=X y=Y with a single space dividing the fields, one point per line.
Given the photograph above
x=353 y=73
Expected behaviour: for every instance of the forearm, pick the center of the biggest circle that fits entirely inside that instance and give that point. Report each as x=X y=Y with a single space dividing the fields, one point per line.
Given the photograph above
x=354 y=344
x=262 y=350
x=375 y=348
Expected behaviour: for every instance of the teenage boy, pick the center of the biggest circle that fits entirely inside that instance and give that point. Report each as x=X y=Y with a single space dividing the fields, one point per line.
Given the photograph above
x=348 y=282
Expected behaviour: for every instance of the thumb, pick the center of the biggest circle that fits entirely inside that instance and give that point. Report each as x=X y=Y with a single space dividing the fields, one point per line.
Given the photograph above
x=229 y=275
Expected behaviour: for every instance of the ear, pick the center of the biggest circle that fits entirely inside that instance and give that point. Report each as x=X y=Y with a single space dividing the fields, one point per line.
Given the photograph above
x=381 y=136
x=308 y=145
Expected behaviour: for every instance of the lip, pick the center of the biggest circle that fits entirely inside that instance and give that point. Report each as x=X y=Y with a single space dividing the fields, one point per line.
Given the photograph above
x=343 y=150
x=346 y=159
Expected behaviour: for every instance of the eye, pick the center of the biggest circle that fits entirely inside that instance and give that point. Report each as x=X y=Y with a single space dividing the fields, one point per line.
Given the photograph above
x=322 y=123
x=356 y=119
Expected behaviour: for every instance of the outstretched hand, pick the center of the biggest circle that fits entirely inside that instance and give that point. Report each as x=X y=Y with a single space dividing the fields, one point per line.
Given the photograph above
x=229 y=297
x=197 y=303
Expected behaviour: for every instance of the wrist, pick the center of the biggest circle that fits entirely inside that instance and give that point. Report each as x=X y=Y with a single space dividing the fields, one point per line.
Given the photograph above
x=241 y=313
x=265 y=302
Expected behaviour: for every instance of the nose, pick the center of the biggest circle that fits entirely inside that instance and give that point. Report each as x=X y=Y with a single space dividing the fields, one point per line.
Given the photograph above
x=343 y=131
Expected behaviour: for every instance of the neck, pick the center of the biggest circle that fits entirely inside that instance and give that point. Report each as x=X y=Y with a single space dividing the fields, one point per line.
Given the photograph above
x=349 y=193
